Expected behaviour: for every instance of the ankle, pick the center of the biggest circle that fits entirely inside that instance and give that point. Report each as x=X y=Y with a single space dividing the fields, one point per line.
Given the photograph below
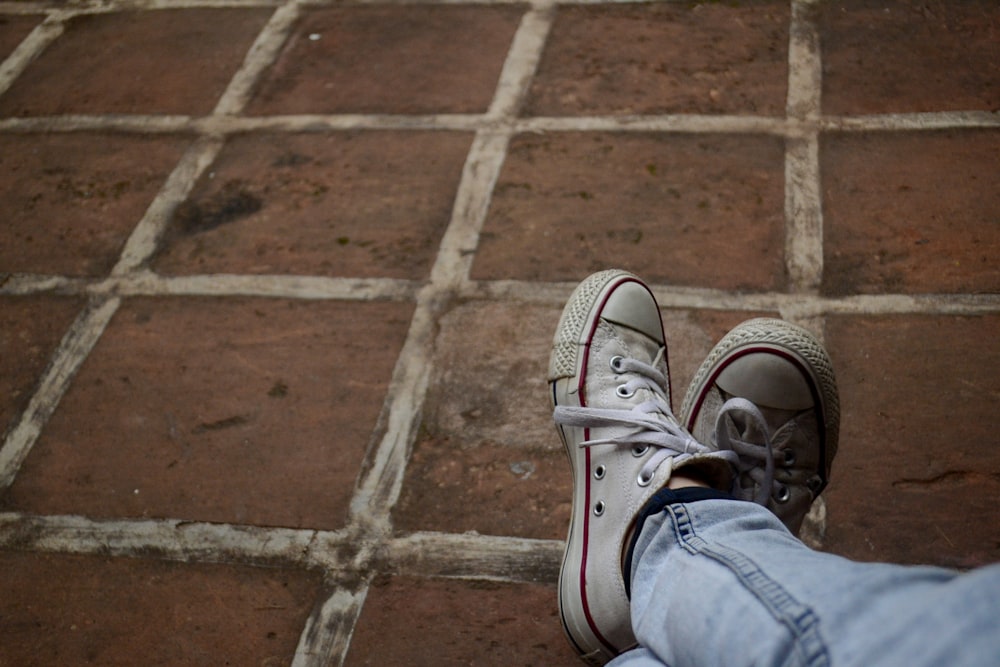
x=686 y=481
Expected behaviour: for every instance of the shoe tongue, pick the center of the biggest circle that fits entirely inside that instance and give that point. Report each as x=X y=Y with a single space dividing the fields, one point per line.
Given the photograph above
x=777 y=418
x=642 y=348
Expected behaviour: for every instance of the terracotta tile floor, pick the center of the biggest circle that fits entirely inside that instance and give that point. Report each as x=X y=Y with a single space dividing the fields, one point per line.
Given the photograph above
x=278 y=280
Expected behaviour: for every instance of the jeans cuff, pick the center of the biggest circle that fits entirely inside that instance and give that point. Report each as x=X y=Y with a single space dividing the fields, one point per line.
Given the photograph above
x=656 y=504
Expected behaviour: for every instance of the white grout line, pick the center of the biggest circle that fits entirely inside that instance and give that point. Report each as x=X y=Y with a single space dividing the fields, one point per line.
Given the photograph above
x=678 y=123
x=142 y=243
x=472 y=202
x=681 y=123
x=23 y=284
x=31 y=47
x=125 y=123
x=804 y=66
x=83 y=7
x=147 y=283
x=898 y=304
x=76 y=345
x=262 y=54
x=94 y=6
x=189 y=4
x=522 y=60
x=429 y=554
x=488 y=152
x=938 y=120
x=803 y=203
x=803 y=215
x=474 y=556
x=382 y=479
x=794 y=305
x=328 y=630
x=172 y=539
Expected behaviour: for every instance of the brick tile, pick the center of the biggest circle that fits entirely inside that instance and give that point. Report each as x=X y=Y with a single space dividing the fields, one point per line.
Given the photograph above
x=72 y=200
x=347 y=204
x=492 y=489
x=30 y=330
x=418 y=59
x=915 y=479
x=489 y=458
x=13 y=30
x=664 y=58
x=459 y=622
x=883 y=56
x=687 y=210
x=61 y=609
x=242 y=411
x=167 y=61
x=911 y=212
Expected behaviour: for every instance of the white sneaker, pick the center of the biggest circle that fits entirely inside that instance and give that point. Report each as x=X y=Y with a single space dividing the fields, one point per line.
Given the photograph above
x=767 y=391
x=611 y=392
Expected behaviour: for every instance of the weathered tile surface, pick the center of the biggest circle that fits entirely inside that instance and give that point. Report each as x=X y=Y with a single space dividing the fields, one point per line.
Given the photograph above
x=75 y=610
x=72 y=200
x=664 y=58
x=911 y=212
x=371 y=204
x=916 y=478
x=241 y=411
x=458 y=622
x=890 y=56
x=679 y=209
x=30 y=331
x=13 y=29
x=390 y=59
x=169 y=61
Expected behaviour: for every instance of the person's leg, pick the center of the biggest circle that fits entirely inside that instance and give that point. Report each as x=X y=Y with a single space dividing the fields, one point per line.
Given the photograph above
x=722 y=582
x=718 y=581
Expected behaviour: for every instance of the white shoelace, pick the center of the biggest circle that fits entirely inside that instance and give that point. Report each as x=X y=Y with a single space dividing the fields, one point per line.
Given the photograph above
x=756 y=459
x=650 y=423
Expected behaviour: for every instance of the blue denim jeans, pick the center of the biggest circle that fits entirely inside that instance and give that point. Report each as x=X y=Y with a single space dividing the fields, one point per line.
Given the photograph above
x=716 y=581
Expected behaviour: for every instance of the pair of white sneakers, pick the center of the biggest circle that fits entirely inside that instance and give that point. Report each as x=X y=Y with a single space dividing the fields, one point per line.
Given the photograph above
x=760 y=420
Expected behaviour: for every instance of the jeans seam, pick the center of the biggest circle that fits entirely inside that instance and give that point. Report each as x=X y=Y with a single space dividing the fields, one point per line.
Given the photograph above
x=798 y=618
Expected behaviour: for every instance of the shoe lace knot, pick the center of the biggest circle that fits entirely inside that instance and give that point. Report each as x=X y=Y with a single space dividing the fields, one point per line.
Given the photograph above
x=741 y=427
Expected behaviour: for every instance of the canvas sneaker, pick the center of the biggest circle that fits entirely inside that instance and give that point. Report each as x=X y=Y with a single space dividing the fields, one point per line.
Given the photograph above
x=610 y=387
x=767 y=391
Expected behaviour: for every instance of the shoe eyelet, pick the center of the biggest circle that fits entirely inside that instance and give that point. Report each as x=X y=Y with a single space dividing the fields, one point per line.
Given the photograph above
x=599 y=508
x=622 y=391
x=783 y=494
x=599 y=472
x=639 y=451
x=643 y=480
x=789 y=457
x=617 y=363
